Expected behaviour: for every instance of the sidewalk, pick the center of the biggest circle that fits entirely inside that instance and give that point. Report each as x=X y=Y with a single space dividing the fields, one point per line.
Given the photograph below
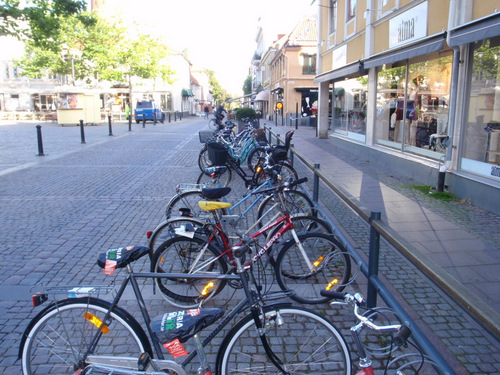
x=458 y=241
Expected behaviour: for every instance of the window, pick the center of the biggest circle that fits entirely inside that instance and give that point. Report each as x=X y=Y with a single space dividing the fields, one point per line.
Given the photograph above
x=309 y=65
x=332 y=22
x=351 y=9
x=481 y=138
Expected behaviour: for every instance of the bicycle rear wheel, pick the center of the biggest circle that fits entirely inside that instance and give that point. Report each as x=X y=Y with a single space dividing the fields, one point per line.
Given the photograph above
x=302 y=340
x=203 y=159
x=57 y=339
x=329 y=267
x=189 y=256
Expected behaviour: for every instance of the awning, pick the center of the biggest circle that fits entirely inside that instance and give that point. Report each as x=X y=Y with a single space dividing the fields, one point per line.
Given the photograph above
x=429 y=45
x=473 y=31
x=187 y=92
x=262 y=96
x=355 y=69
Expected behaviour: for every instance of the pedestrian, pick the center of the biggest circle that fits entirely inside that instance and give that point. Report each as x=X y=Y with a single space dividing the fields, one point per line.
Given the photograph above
x=127 y=110
x=206 y=112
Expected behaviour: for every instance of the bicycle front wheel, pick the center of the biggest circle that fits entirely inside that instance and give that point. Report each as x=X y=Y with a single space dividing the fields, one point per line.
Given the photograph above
x=305 y=342
x=57 y=339
x=317 y=261
x=188 y=256
x=212 y=125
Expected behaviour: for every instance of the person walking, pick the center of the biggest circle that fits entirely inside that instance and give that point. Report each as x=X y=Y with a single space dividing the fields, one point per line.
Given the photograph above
x=206 y=112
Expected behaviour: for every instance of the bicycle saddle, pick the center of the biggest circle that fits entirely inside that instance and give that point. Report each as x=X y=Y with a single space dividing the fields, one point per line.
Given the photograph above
x=122 y=256
x=183 y=324
x=215 y=193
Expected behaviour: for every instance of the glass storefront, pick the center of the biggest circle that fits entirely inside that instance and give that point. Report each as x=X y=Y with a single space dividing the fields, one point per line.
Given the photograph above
x=349 y=108
x=412 y=106
x=481 y=136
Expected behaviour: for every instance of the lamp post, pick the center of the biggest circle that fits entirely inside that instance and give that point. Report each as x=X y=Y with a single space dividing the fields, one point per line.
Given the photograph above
x=71 y=53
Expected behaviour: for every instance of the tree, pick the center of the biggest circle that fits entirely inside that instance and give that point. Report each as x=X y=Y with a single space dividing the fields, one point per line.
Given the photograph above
x=38 y=20
x=247 y=85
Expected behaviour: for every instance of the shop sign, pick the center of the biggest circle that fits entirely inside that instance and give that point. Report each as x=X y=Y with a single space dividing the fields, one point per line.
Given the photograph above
x=408 y=27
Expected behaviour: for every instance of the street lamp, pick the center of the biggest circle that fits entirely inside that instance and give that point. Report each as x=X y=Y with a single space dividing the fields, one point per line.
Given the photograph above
x=71 y=53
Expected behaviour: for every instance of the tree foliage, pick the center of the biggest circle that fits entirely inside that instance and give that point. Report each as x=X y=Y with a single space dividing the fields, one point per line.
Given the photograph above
x=38 y=20
x=247 y=85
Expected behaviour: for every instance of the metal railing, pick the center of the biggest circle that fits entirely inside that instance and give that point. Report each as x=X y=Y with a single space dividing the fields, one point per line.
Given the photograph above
x=370 y=269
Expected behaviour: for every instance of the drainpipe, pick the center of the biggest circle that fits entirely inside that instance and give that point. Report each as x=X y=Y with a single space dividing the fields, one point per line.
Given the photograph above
x=453 y=98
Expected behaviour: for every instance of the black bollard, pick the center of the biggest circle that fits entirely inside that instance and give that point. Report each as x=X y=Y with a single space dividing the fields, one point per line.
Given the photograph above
x=39 y=138
x=129 y=123
x=109 y=126
x=169 y=118
x=143 y=121
x=82 y=132
x=175 y=116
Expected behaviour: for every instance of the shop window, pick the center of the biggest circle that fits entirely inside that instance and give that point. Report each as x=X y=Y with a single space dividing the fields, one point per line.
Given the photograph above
x=309 y=64
x=332 y=21
x=481 y=136
x=412 y=107
x=349 y=108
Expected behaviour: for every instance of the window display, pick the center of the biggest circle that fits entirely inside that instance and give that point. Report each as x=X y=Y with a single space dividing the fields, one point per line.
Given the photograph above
x=412 y=106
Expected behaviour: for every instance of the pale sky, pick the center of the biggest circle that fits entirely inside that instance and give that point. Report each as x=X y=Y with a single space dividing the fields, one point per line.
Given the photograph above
x=219 y=34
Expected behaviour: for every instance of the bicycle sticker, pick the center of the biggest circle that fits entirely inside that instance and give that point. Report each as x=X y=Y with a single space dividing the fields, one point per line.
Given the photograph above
x=181 y=231
x=109 y=267
x=175 y=348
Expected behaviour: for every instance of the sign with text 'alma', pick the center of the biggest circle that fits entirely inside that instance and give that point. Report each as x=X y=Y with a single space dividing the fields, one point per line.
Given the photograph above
x=409 y=26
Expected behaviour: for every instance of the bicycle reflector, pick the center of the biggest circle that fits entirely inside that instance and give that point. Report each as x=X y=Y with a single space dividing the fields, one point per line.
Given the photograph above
x=332 y=283
x=318 y=262
x=96 y=321
x=207 y=288
x=258 y=168
x=39 y=298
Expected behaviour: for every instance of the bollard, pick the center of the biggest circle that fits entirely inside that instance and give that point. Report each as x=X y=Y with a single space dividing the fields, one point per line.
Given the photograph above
x=129 y=123
x=109 y=126
x=82 y=132
x=296 y=116
x=143 y=121
x=373 y=258
x=175 y=116
x=169 y=118
x=39 y=138
x=154 y=118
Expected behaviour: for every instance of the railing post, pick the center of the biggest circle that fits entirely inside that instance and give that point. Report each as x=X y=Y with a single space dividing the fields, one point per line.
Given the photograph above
x=82 y=132
x=373 y=259
x=39 y=138
x=109 y=126
x=316 y=184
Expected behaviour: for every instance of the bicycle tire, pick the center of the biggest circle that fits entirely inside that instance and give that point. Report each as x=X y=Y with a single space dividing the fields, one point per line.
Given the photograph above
x=176 y=256
x=212 y=124
x=187 y=200
x=254 y=156
x=167 y=229
x=203 y=159
x=304 y=341
x=333 y=269
x=284 y=170
x=44 y=348
x=220 y=181
x=297 y=203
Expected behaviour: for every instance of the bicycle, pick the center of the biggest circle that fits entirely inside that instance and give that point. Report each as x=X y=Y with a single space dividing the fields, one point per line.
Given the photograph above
x=306 y=262
x=382 y=340
x=85 y=334
x=277 y=156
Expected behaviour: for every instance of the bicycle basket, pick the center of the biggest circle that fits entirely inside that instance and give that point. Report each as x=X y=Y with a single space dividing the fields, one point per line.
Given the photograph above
x=217 y=153
x=260 y=135
x=206 y=135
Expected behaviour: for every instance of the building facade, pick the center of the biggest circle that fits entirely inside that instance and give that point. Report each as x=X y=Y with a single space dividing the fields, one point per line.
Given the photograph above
x=415 y=84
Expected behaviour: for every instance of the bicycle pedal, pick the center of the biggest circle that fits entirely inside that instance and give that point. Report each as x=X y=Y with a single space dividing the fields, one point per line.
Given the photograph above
x=143 y=361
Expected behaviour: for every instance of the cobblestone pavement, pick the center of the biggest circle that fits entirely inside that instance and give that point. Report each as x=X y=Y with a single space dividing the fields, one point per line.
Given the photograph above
x=60 y=210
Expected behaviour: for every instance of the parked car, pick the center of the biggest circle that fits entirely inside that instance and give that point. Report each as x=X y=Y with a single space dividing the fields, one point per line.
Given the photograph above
x=148 y=109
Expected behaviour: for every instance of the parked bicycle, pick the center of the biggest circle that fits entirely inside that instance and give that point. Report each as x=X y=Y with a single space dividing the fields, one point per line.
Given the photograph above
x=306 y=262
x=86 y=334
x=380 y=333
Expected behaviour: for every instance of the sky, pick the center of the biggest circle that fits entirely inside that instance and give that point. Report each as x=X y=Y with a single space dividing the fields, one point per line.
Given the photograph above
x=220 y=34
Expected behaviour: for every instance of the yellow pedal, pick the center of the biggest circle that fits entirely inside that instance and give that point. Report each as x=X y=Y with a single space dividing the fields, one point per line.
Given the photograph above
x=210 y=206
